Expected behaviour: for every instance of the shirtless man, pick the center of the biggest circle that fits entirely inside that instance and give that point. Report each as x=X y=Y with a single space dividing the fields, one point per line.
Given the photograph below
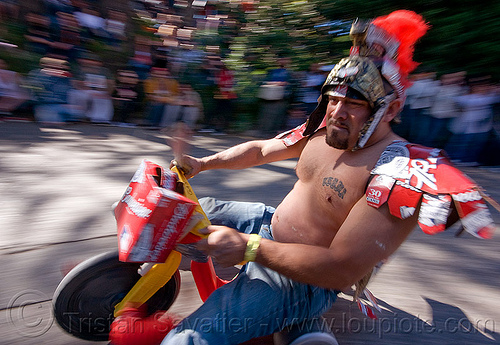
x=318 y=229
x=326 y=234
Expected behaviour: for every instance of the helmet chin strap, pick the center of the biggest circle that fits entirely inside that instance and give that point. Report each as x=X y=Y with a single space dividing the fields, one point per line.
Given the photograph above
x=372 y=123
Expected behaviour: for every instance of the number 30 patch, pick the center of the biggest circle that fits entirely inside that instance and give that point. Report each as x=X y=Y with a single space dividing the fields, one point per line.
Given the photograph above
x=378 y=190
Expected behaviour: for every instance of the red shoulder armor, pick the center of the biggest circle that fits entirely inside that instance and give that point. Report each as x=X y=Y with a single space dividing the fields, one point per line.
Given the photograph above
x=292 y=136
x=406 y=174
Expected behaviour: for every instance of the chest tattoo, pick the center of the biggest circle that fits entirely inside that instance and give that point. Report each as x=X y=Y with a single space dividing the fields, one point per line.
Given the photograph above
x=336 y=185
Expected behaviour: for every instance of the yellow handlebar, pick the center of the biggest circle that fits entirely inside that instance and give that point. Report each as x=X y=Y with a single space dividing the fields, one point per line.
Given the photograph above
x=188 y=193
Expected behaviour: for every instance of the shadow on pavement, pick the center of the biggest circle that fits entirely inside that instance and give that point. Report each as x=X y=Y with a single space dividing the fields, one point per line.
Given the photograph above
x=448 y=325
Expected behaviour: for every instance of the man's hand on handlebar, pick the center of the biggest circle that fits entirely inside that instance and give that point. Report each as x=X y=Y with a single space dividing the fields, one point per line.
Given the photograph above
x=179 y=142
x=225 y=245
x=189 y=165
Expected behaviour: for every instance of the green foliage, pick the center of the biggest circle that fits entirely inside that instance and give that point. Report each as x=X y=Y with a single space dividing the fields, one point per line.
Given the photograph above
x=21 y=61
x=16 y=58
x=288 y=29
x=463 y=34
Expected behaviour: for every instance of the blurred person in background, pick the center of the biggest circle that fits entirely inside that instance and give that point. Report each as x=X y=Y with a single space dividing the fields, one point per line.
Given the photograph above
x=51 y=85
x=191 y=106
x=206 y=82
x=420 y=98
x=274 y=96
x=445 y=108
x=309 y=91
x=296 y=115
x=142 y=61
x=68 y=34
x=38 y=33
x=51 y=7
x=94 y=85
x=126 y=96
x=115 y=26
x=311 y=87
x=161 y=91
x=472 y=128
x=54 y=32
x=91 y=22
x=12 y=95
x=224 y=98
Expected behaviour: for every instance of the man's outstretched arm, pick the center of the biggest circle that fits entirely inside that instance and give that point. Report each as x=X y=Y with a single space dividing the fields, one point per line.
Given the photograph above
x=367 y=236
x=245 y=155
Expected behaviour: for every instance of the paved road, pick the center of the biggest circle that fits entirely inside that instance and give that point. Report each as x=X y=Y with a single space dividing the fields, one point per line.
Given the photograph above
x=56 y=186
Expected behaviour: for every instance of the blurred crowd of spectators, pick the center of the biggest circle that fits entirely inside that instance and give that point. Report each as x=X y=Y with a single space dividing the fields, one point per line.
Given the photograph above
x=156 y=85
x=457 y=112
x=52 y=93
x=74 y=82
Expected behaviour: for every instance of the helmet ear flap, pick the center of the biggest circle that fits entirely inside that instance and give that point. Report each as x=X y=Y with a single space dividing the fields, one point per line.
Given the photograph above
x=316 y=117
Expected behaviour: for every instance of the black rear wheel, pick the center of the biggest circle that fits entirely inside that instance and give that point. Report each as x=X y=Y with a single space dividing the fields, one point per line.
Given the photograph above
x=85 y=299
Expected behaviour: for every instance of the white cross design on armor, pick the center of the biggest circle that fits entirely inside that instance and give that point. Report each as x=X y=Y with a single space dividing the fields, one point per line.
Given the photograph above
x=420 y=169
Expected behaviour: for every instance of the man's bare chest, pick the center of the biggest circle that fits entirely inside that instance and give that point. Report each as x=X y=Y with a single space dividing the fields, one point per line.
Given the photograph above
x=337 y=177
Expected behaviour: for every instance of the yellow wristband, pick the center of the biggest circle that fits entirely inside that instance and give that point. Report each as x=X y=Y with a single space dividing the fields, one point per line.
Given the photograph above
x=252 y=246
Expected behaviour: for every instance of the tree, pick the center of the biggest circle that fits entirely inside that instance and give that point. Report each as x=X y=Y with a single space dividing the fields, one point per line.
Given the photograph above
x=463 y=35
x=294 y=29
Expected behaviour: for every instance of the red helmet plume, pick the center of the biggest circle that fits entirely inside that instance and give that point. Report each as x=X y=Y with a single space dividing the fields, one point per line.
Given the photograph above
x=406 y=27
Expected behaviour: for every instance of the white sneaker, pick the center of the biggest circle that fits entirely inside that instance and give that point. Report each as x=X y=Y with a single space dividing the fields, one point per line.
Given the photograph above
x=315 y=338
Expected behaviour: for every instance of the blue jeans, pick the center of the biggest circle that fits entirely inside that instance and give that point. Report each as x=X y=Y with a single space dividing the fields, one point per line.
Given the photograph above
x=258 y=301
x=155 y=113
x=55 y=112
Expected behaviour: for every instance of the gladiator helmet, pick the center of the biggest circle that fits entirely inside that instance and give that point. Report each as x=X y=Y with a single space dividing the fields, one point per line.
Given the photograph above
x=376 y=70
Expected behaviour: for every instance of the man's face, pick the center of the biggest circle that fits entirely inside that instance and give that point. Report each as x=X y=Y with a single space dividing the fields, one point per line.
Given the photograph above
x=344 y=119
